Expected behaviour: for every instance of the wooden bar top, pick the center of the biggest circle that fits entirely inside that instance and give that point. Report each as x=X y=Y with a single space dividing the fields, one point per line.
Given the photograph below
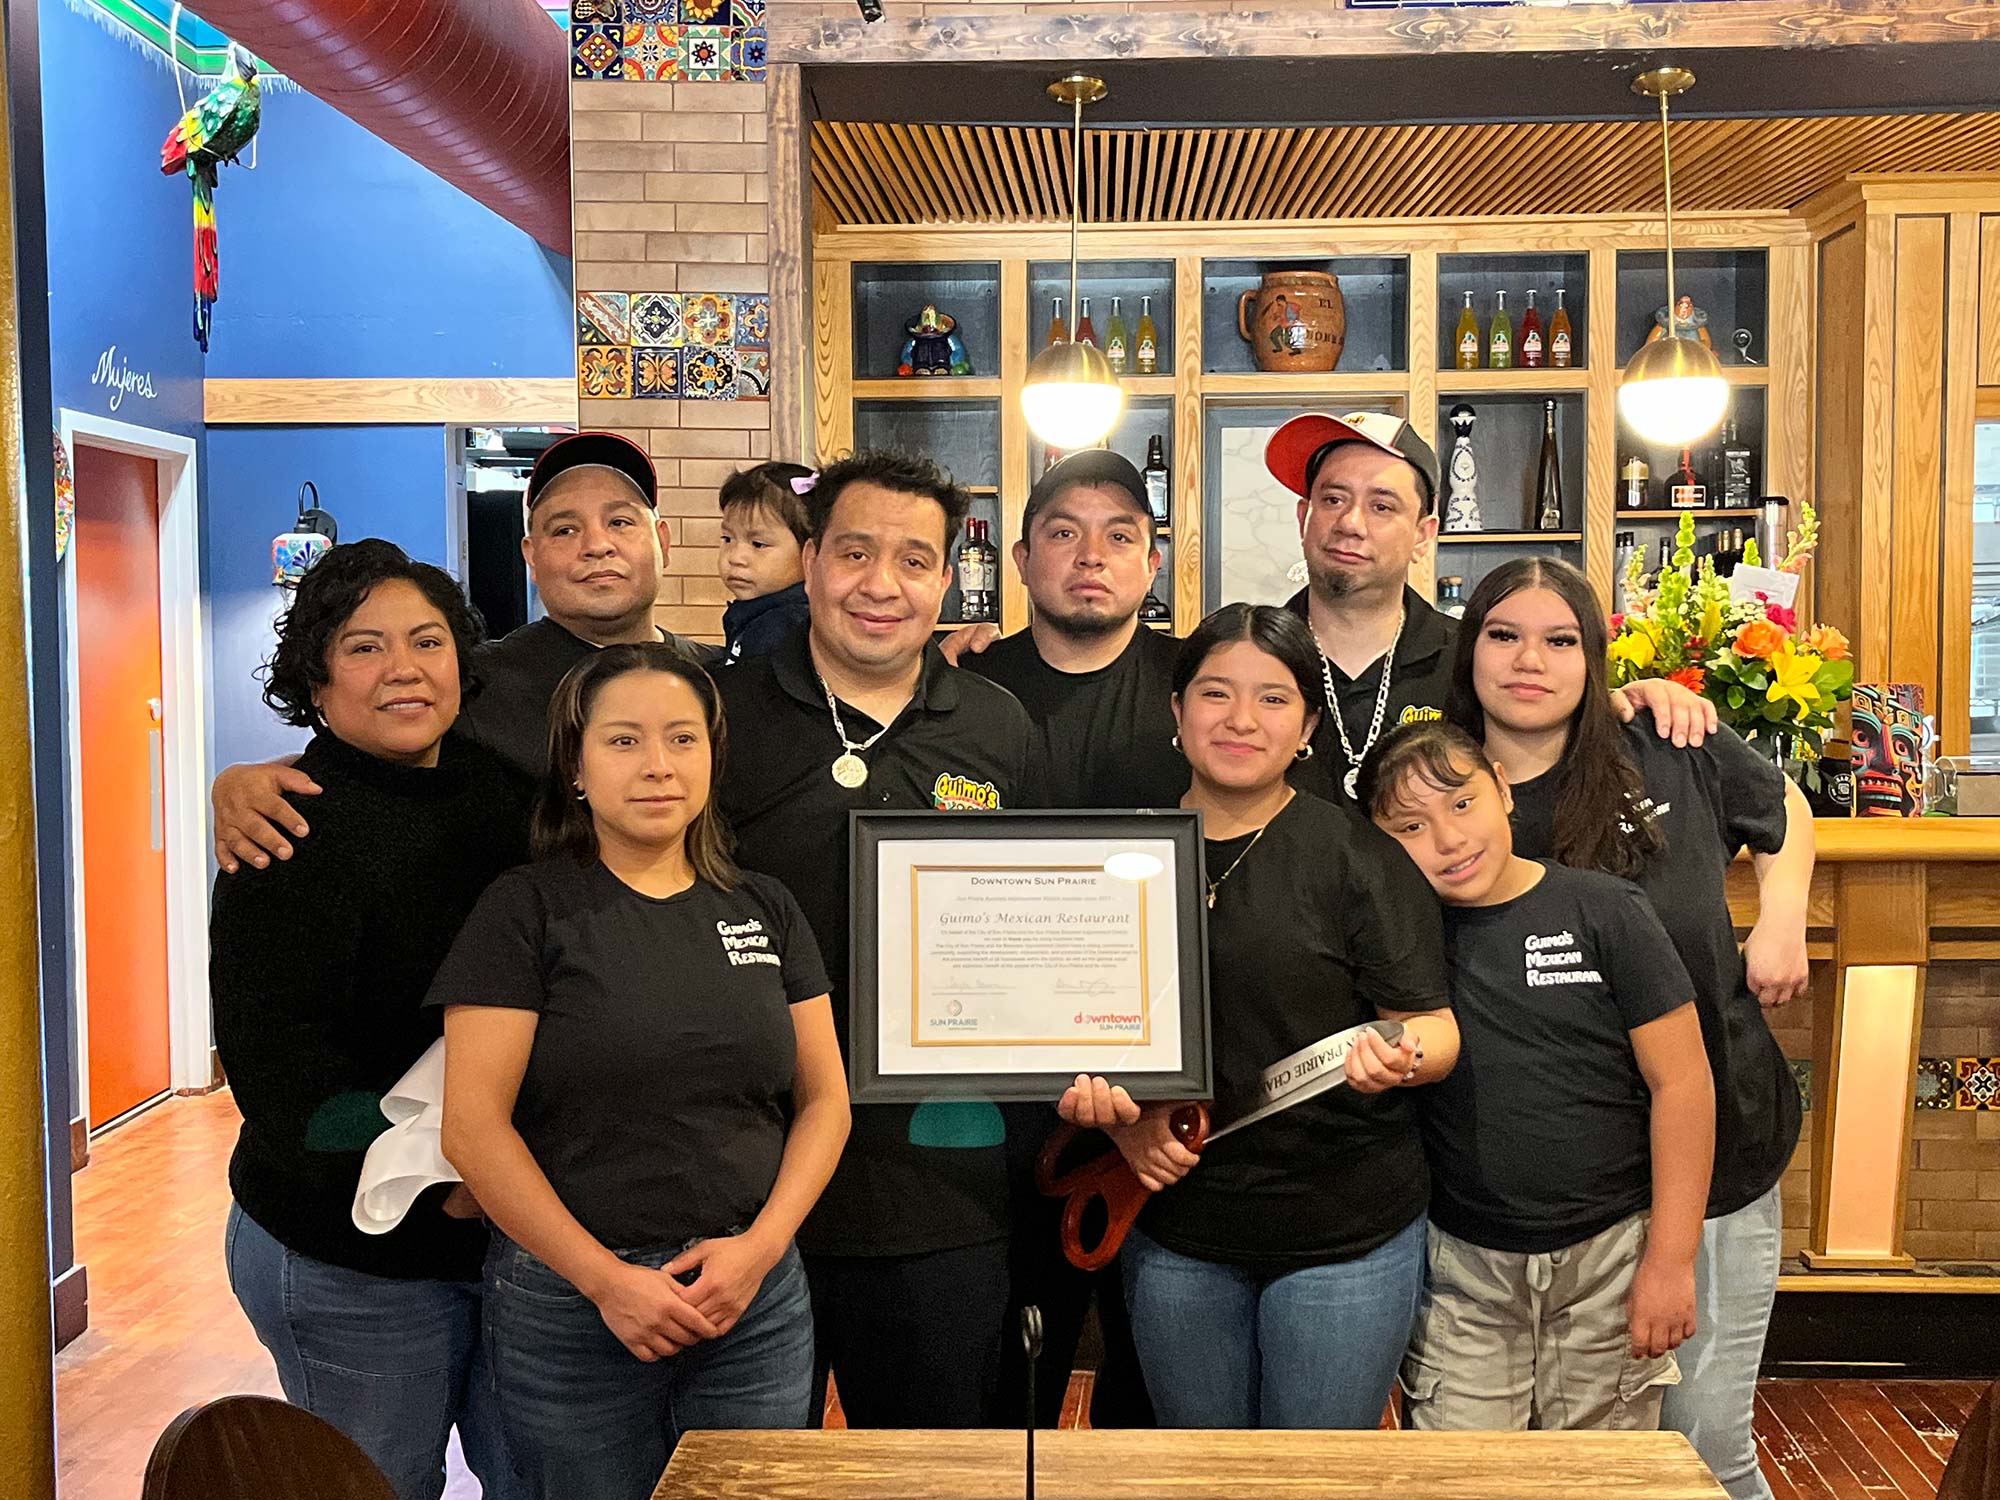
x=1930 y=840
x=988 y=1465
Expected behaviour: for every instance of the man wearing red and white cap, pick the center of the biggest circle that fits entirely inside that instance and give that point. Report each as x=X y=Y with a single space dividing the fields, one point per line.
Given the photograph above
x=1367 y=484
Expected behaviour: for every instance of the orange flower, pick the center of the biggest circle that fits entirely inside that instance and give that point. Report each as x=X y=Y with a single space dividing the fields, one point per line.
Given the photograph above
x=1690 y=678
x=1759 y=638
x=1827 y=643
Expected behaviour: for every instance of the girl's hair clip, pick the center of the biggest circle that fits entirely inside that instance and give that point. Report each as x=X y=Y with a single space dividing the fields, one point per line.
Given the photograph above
x=805 y=486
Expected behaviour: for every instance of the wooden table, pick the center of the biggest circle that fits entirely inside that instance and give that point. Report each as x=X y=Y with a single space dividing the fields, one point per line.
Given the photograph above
x=1195 y=1465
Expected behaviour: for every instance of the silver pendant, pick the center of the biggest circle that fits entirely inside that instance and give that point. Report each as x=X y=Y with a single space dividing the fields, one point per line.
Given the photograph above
x=1350 y=782
x=850 y=770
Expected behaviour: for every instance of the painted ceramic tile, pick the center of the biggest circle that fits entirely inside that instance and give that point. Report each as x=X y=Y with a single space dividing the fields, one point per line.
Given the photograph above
x=705 y=12
x=604 y=372
x=753 y=320
x=708 y=374
x=747 y=54
x=710 y=318
x=1802 y=1071
x=1978 y=1083
x=656 y=319
x=746 y=12
x=656 y=372
x=659 y=12
x=597 y=51
x=605 y=12
x=704 y=53
x=753 y=374
x=603 y=318
x=1937 y=1083
x=652 y=51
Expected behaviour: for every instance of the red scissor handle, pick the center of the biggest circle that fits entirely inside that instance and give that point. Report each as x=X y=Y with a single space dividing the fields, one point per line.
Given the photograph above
x=1109 y=1178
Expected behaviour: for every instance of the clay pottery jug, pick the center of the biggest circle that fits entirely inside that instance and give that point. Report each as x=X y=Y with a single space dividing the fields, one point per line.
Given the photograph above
x=1295 y=322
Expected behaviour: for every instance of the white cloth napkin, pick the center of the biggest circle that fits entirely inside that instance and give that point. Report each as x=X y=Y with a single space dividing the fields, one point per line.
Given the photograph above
x=408 y=1157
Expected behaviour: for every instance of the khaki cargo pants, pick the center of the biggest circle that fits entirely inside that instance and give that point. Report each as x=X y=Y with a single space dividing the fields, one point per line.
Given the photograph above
x=1508 y=1342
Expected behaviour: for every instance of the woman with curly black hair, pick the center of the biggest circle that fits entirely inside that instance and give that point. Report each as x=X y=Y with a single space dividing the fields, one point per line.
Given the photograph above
x=318 y=970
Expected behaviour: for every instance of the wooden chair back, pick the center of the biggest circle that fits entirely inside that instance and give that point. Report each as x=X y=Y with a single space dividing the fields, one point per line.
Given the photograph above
x=258 y=1448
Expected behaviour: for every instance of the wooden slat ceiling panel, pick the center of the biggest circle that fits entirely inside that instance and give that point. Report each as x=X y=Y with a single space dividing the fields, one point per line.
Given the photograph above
x=892 y=174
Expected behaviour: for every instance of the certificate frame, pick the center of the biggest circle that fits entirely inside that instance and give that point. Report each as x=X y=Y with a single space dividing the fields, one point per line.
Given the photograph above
x=1169 y=1058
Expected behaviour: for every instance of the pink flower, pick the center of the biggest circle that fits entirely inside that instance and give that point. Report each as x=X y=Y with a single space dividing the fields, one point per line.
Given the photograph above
x=1617 y=623
x=1780 y=616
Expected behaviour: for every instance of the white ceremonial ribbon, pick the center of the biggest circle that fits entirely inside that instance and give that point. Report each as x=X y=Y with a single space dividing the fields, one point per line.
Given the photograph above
x=1307 y=1073
x=408 y=1157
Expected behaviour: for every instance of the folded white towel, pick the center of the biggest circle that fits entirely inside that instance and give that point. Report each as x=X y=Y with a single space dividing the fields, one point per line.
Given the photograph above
x=408 y=1157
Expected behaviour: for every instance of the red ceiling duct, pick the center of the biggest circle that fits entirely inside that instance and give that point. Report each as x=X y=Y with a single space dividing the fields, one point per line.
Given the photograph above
x=476 y=90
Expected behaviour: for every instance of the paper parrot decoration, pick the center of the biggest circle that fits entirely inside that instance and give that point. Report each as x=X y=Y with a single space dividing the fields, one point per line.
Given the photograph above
x=219 y=126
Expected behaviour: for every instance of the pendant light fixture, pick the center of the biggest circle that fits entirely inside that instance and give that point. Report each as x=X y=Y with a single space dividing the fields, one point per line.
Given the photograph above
x=1072 y=397
x=1673 y=390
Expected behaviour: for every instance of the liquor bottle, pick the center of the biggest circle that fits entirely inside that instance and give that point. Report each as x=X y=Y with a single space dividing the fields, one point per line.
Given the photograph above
x=978 y=571
x=1086 y=331
x=1771 y=529
x=1114 y=339
x=1462 y=512
x=1739 y=479
x=1685 y=491
x=1155 y=475
x=1532 y=354
x=1451 y=596
x=1467 y=338
x=1146 y=341
x=1058 y=330
x=1635 y=484
x=1666 y=556
x=1559 y=335
x=1500 y=338
x=1626 y=543
x=1548 y=476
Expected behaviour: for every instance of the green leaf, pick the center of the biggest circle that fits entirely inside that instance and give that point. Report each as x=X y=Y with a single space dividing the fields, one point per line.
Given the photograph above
x=1736 y=697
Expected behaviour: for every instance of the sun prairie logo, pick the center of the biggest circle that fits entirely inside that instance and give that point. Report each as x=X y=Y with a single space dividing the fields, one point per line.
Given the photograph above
x=952 y=793
x=1419 y=713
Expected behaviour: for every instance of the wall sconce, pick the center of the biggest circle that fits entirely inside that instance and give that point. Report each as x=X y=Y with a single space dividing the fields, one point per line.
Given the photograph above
x=294 y=551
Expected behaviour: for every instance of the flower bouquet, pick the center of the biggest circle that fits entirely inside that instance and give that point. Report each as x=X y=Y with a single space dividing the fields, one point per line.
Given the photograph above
x=1771 y=679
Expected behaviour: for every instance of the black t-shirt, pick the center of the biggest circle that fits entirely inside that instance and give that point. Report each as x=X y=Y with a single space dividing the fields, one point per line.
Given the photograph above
x=1419 y=683
x=1708 y=803
x=1109 y=733
x=518 y=675
x=1325 y=923
x=317 y=972
x=1541 y=1136
x=911 y=1180
x=657 y=1094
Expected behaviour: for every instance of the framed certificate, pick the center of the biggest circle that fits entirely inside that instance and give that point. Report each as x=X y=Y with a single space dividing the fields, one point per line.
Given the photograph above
x=998 y=955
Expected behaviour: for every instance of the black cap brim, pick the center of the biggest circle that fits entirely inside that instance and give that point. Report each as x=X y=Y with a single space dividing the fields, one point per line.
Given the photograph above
x=604 y=450
x=1090 y=466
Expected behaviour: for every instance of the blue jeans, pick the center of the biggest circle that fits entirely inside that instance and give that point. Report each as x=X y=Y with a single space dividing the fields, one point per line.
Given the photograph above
x=590 y=1421
x=393 y=1364
x=1224 y=1347
x=1735 y=1284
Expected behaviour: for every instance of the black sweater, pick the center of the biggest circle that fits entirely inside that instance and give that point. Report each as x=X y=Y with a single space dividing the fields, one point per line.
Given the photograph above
x=318 y=968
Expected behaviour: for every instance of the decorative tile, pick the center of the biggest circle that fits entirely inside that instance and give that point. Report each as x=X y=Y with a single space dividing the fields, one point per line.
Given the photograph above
x=1937 y=1083
x=748 y=51
x=656 y=319
x=1802 y=1074
x=603 y=318
x=746 y=12
x=708 y=375
x=709 y=317
x=604 y=372
x=704 y=53
x=705 y=12
x=753 y=374
x=658 y=12
x=656 y=372
x=753 y=320
x=597 y=51
x=589 y=12
x=1978 y=1083
x=652 y=51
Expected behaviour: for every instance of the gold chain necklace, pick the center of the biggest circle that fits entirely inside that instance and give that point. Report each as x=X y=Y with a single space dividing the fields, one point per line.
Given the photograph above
x=1215 y=883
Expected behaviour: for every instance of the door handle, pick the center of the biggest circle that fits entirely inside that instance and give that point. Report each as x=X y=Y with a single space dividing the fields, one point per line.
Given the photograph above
x=157 y=800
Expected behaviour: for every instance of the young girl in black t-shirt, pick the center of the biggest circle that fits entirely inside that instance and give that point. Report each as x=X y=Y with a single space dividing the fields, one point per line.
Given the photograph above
x=1570 y=1147
x=1529 y=682
x=644 y=1091
x=1273 y=1279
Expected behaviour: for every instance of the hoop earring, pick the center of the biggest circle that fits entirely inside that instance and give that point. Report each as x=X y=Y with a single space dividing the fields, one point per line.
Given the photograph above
x=1305 y=751
x=1177 y=739
x=581 y=795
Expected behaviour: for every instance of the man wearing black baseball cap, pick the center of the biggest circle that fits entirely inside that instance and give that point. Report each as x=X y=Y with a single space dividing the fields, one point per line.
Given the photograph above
x=595 y=546
x=1367 y=484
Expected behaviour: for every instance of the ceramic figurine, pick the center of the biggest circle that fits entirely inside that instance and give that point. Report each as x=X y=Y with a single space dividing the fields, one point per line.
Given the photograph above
x=222 y=122
x=1892 y=738
x=933 y=346
x=1690 y=322
x=1463 y=513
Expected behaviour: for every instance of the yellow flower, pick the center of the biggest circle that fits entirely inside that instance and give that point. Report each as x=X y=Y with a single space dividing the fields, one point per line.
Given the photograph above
x=1635 y=645
x=1792 y=677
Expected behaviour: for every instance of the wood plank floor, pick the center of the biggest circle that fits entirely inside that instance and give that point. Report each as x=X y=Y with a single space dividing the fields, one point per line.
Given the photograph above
x=165 y=1333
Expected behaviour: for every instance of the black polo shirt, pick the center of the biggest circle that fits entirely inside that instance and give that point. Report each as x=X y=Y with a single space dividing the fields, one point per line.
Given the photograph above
x=1419 y=683
x=518 y=674
x=912 y=1180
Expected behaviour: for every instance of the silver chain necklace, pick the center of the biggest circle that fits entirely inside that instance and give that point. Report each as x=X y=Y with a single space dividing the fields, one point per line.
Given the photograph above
x=850 y=770
x=1352 y=779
